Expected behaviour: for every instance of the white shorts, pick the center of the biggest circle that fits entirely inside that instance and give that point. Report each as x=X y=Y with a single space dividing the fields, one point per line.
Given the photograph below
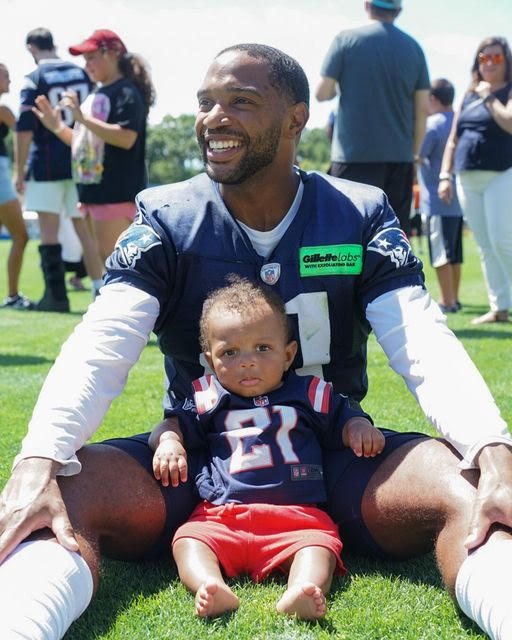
x=52 y=196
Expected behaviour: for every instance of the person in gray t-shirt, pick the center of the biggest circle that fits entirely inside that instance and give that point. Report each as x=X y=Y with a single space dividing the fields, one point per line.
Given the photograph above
x=383 y=84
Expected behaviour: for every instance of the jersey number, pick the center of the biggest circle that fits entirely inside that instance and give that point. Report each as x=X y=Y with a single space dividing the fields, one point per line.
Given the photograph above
x=247 y=423
x=55 y=94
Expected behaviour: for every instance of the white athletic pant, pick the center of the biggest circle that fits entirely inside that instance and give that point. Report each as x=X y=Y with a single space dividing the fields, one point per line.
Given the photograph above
x=486 y=199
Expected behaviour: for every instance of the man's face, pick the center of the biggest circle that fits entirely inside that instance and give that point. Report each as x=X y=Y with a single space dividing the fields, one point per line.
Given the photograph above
x=240 y=118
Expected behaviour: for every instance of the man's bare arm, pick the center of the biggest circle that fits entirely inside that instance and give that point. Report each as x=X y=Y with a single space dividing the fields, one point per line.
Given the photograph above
x=100 y=352
x=326 y=89
x=421 y=104
x=22 y=142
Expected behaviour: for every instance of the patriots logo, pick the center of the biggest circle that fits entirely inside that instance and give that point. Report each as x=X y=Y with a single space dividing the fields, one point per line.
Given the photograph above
x=270 y=272
x=135 y=241
x=189 y=405
x=392 y=243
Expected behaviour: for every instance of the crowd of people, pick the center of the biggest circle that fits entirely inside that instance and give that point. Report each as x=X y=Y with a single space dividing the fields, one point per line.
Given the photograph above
x=262 y=283
x=79 y=149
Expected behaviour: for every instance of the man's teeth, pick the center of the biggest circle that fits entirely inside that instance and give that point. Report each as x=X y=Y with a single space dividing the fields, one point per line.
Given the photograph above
x=223 y=144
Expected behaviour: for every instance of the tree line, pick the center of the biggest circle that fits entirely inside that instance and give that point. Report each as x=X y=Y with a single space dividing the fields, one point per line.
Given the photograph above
x=172 y=153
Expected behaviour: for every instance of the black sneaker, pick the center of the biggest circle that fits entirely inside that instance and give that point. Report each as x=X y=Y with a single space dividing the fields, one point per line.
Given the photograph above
x=18 y=301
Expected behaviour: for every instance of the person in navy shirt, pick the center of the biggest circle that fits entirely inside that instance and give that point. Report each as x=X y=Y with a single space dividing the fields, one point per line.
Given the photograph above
x=334 y=252
x=43 y=166
x=262 y=476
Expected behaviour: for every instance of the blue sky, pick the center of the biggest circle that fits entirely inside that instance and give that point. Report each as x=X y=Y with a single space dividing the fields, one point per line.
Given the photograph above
x=179 y=38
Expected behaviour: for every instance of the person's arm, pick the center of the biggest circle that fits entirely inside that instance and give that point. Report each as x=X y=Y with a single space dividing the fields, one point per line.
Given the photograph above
x=445 y=187
x=326 y=89
x=170 y=459
x=22 y=142
x=451 y=392
x=502 y=113
x=112 y=134
x=421 y=110
x=99 y=353
x=7 y=116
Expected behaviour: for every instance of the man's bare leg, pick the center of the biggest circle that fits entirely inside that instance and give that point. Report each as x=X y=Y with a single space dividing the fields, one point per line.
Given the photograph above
x=116 y=508
x=420 y=500
x=445 y=277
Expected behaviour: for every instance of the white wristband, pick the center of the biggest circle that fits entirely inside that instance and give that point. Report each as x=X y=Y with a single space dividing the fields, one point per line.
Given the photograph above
x=445 y=175
x=59 y=129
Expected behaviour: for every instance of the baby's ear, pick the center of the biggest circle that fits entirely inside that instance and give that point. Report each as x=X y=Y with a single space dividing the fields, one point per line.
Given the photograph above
x=208 y=356
x=291 y=352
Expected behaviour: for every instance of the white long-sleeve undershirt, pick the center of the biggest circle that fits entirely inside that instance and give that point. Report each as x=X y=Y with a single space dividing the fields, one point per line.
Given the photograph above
x=90 y=371
x=412 y=331
x=94 y=363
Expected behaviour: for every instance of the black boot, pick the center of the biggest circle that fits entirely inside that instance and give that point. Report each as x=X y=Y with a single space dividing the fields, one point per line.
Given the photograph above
x=55 y=297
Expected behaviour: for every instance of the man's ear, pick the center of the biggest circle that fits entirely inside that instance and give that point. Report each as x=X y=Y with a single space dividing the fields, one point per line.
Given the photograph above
x=298 y=115
x=291 y=352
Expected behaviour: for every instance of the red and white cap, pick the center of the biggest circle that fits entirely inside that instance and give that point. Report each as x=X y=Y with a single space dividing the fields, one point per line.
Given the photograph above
x=100 y=39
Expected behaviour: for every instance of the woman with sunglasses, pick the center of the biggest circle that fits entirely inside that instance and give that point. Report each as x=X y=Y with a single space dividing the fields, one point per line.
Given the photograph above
x=109 y=136
x=479 y=152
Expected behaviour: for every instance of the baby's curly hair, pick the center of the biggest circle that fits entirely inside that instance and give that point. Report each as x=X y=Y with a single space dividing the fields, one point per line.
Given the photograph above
x=240 y=296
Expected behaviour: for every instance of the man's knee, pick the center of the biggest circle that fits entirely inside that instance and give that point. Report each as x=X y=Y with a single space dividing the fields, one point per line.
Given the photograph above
x=114 y=500
x=416 y=494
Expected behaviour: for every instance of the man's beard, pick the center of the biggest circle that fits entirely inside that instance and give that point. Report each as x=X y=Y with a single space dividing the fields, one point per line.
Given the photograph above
x=259 y=153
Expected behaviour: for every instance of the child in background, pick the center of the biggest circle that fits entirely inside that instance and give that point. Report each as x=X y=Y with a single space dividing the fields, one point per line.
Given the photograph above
x=264 y=428
x=444 y=220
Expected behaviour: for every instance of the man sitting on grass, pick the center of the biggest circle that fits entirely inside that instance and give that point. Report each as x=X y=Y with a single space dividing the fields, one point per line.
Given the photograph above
x=334 y=252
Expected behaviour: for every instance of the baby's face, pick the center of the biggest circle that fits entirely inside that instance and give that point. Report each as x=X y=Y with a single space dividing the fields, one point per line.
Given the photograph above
x=249 y=353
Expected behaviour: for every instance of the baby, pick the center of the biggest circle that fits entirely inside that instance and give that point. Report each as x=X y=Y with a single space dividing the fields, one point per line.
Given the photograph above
x=263 y=428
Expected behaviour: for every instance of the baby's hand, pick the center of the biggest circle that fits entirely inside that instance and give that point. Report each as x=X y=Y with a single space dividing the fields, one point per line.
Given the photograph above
x=363 y=438
x=170 y=462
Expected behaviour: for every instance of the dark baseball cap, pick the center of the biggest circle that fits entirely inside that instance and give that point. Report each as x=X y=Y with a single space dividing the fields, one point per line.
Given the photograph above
x=387 y=4
x=100 y=39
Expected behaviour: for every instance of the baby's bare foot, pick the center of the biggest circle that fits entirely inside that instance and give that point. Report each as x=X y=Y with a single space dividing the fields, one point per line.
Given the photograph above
x=213 y=599
x=306 y=601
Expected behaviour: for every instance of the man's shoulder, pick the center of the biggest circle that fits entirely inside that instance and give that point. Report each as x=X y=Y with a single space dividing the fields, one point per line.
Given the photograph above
x=403 y=36
x=354 y=36
x=182 y=193
x=363 y=197
x=57 y=72
x=31 y=79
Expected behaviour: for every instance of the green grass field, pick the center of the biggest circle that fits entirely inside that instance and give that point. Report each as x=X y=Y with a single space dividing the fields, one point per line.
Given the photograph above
x=374 y=601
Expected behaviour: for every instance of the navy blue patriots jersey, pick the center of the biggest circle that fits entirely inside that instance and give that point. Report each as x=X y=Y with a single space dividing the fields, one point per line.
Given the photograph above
x=266 y=448
x=343 y=249
x=49 y=158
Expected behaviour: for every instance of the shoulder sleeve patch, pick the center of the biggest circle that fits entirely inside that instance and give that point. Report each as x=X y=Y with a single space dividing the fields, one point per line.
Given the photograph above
x=206 y=393
x=393 y=243
x=28 y=84
x=319 y=393
x=135 y=241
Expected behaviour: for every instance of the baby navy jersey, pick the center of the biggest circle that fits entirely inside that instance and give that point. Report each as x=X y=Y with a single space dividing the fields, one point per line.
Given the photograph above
x=266 y=448
x=49 y=158
x=343 y=249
